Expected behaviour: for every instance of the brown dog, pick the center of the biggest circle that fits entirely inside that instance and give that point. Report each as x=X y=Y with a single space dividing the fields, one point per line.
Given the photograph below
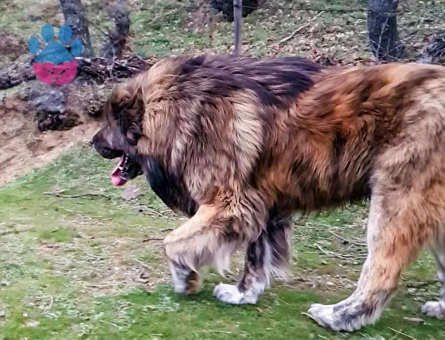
x=240 y=144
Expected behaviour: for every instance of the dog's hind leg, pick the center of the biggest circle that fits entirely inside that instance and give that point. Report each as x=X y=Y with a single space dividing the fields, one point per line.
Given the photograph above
x=209 y=238
x=269 y=254
x=399 y=225
x=437 y=308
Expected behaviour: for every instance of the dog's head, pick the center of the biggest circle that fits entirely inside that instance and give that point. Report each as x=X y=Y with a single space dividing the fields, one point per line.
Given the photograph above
x=120 y=134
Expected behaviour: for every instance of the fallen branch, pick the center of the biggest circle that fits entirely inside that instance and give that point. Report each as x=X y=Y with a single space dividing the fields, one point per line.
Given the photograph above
x=340 y=256
x=401 y=333
x=98 y=69
x=102 y=69
x=294 y=33
x=148 y=239
x=59 y=194
x=421 y=284
x=51 y=300
x=152 y=211
x=360 y=244
x=214 y=331
x=141 y=263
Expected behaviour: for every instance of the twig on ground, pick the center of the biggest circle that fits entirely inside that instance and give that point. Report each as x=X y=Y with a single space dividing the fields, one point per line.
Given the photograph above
x=340 y=256
x=156 y=212
x=421 y=284
x=142 y=264
x=361 y=244
x=111 y=324
x=51 y=300
x=148 y=239
x=401 y=333
x=222 y=332
x=59 y=194
x=294 y=33
x=322 y=337
x=167 y=229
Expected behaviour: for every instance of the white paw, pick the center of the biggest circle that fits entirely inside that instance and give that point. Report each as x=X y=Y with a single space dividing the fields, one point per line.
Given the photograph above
x=339 y=317
x=231 y=294
x=323 y=315
x=435 y=309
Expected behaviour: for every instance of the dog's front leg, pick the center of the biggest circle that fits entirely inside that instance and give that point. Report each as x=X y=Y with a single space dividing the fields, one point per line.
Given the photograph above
x=267 y=255
x=202 y=240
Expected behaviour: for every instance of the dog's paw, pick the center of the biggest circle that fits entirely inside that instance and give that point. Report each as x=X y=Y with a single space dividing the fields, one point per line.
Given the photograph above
x=337 y=317
x=435 y=309
x=231 y=294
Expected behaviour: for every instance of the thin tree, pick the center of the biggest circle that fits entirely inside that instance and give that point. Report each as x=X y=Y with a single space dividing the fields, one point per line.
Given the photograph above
x=226 y=7
x=74 y=14
x=237 y=15
x=382 y=29
x=115 y=43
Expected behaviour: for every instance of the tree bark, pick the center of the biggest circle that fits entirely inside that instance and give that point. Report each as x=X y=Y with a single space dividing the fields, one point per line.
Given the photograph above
x=434 y=51
x=74 y=14
x=237 y=14
x=116 y=40
x=17 y=73
x=226 y=7
x=382 y=29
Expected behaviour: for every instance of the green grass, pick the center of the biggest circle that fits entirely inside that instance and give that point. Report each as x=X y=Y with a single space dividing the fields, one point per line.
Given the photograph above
x=78 y=266
x=92 y=266
x=335 y=29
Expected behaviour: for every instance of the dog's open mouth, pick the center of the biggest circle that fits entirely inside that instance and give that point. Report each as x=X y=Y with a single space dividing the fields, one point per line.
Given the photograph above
x=125 y=170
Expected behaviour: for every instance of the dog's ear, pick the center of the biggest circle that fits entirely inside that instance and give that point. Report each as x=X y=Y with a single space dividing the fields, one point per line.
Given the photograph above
x=127 y=110
x=120 y=100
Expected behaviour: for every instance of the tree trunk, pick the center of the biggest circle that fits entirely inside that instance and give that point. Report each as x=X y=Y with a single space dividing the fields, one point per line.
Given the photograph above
x=237 y=14
x=382 y=28
x=226 y=7
x=117 y=38
x=74 y=15
x=434 y=52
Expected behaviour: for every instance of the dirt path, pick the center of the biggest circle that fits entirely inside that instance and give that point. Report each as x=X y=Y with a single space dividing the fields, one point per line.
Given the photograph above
x=22 y=148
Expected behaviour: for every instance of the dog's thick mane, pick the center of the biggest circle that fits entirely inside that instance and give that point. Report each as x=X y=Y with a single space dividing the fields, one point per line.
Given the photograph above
x=206 y=99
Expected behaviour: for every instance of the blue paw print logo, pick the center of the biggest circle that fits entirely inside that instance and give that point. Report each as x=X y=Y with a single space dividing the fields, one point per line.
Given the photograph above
x=55 y=64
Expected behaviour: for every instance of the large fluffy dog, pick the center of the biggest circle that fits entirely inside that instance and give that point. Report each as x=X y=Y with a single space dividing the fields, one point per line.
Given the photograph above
x=240 y=144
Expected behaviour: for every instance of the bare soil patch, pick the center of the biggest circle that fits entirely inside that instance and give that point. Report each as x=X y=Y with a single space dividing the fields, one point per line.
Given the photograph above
x=24 y=148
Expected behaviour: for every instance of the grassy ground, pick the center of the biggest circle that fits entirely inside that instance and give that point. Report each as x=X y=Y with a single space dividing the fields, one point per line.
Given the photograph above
x=334 y=29
x=77 y=259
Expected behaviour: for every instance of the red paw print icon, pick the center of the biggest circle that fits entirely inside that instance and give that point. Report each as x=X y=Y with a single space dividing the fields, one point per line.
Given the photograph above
x=55 y=64
x=61 y=74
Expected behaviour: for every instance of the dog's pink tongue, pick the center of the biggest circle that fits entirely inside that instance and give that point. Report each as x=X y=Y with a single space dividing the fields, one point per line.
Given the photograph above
x=116 y=178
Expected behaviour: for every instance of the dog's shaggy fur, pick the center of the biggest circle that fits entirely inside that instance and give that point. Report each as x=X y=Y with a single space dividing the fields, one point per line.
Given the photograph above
x=239 y=144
